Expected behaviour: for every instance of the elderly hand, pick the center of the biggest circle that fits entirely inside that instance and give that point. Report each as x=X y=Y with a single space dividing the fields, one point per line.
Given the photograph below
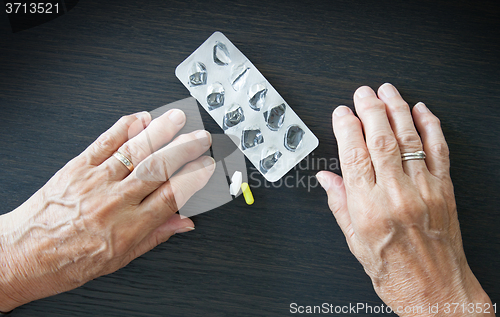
x=399 y=217
x=95 y=216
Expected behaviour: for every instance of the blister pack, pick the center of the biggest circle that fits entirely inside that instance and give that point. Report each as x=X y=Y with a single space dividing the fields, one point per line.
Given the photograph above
x=245 y=105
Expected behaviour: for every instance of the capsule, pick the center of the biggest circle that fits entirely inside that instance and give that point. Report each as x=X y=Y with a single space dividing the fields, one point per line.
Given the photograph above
x=247 y=193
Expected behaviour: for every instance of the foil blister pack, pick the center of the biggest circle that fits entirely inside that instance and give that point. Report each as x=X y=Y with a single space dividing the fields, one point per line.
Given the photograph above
x=245 y=105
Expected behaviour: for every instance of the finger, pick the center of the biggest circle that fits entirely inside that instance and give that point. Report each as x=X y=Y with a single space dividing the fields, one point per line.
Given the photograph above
x=172 y=195
x=355 y=162
x=402 y=125
x=380 y=140
x=108 y=142
x=159 y=132
x=435 y=146
x=337 y=200
x=174 y=225
x=161 y=165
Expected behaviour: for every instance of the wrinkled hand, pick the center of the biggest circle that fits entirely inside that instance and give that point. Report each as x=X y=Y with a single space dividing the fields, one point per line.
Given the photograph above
x=94 y=216
x=399 y=218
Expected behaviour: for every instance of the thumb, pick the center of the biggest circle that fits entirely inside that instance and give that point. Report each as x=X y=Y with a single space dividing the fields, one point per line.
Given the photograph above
x=175 y=224
x=333 y=184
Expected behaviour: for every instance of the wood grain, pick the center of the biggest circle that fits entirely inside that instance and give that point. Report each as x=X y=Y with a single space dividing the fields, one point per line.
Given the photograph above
x=65 y=82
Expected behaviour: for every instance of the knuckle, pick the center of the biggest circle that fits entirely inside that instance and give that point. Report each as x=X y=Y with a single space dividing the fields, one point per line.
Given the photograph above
x=436 y=203
x=184 y=146
x=193 y=179
x=334 y=206
x=188 y=140
x=167 y=130
x=402 y=106
x=372 y=104
x=405 y=210
x=107 y=172
x=399 y=106
x=167 y=196
x=134 y=152
x=158 y=239
x=128 y=124
x=355 y=157
x=350 y=232
x=384 y=143
x=124 y=122
x=199 y=178
x=153 y=169
x=440 y=150
x=437 y=121
x=127 y=120
x=406 y=207
x=356 y=165
x=347 y=122
x=431 y=120
x=122 y=246
x=410 y=139
x=166 y=168
x=105 y=141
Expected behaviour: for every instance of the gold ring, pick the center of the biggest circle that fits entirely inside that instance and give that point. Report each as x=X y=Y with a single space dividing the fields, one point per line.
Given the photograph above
x=122 y=158
x=419 y=155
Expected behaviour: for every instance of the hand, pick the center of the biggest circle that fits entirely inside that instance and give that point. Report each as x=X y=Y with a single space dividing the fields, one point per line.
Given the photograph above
x=399 y=218
x=94 y=216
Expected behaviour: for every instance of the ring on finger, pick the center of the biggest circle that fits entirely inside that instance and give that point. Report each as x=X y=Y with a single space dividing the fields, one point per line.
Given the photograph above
x=419 y=155
x=125 y=160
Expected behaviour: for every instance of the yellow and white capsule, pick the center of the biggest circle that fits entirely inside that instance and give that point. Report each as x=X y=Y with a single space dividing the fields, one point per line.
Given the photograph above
x=247 y=193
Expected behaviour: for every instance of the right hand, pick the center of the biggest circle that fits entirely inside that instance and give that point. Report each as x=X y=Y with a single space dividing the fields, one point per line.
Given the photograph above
x=399 y=217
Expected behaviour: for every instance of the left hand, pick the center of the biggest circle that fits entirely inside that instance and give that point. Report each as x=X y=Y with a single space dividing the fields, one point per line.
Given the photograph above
x=94 y=216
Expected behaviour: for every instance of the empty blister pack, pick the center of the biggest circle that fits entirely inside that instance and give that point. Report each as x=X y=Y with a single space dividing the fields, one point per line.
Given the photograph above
x=246 y=107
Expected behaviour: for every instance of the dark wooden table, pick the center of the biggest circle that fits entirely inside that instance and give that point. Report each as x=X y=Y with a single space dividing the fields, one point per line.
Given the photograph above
x=64 y=82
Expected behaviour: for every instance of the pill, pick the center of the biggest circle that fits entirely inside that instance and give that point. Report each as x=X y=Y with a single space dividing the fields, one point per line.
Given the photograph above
x=247 y=193
x=236 y=180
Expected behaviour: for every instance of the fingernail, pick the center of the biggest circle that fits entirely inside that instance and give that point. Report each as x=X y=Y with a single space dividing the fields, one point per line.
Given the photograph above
x=341 y=111
x=143 y=116
x=204 y=137
x=389 y=90
x=421 y=107
x=185 y=229
x=209 y=163
x=364 y=91
x=322 y=181
x=177 y=116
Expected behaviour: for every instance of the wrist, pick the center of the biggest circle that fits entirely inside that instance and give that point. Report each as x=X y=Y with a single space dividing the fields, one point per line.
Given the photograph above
x=459 y=294
x=467 y=300
x=12 y=263
x=472 y=299
x=7 y=303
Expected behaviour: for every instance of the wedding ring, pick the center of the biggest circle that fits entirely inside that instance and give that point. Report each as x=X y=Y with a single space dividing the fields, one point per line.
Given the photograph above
x=419 y=155
x=122 y=158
